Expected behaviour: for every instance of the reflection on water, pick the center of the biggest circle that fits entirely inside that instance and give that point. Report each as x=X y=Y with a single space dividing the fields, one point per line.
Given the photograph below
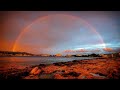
x=22 y=62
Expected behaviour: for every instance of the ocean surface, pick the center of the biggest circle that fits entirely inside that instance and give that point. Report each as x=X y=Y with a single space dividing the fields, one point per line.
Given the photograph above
x=22 y=62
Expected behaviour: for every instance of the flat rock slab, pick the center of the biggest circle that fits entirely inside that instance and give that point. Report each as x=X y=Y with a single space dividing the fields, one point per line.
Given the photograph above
x=46 y=76
x=97 y=75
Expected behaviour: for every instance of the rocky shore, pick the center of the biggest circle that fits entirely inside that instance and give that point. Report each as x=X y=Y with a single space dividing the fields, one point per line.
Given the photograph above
x=77 y=69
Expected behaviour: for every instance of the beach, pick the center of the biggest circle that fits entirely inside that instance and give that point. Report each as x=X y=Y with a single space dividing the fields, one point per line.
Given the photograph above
x=106 y=68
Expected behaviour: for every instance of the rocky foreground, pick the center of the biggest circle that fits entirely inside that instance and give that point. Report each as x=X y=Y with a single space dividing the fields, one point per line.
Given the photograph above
x=82 y=69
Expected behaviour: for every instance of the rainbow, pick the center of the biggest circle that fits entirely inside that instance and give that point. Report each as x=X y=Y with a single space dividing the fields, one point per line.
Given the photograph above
x=45 y=18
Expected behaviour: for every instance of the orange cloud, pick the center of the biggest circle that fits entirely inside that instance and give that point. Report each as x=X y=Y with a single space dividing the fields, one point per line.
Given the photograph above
x=68 y=51
x=81 y=50
x=71 y=51
x=107 y=49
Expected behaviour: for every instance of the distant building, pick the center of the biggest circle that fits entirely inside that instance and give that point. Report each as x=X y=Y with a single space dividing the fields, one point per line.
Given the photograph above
x=113 y=55
x=119 y=54
x=68 y=55
x=116 y=55
x=58 y=55
x=45 y=55
x=104 y=55
x=78 y=55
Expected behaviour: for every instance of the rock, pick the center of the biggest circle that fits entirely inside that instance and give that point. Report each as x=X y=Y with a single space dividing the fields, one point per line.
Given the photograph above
x=97 y=75
x=63 y=70
x=69 y=64
x=58 y=76
x=31 y=77
x=100 y=74
x=75 y=61
x=46 y=76
x=74 y=74
x=42 y=65
x=83 y=77
x=59 y=64
x=35 y=71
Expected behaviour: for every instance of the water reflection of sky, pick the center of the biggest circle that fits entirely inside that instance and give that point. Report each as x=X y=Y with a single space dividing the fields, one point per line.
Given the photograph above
x=22 y=62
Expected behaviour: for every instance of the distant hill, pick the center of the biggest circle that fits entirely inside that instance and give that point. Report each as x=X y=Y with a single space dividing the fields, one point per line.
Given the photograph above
x=11 y=53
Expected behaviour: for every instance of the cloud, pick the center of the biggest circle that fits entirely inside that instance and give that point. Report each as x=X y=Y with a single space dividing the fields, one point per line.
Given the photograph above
x=57 y=32
x=72 y=51
x=82 y=51
x=69 y=51
x=96 y=50
x=108 y=49
x=117 y=50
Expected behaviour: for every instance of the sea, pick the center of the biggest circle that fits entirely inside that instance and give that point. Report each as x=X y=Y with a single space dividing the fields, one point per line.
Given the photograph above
x=22 y=62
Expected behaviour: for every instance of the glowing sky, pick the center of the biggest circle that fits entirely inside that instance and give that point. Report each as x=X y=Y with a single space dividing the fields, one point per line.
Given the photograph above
x=62 y=32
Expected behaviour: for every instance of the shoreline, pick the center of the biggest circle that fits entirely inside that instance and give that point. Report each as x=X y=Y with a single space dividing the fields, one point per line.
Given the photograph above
x=77 y=69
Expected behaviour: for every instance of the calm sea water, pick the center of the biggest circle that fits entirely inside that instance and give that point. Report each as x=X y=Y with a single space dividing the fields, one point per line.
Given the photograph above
x=21 y=62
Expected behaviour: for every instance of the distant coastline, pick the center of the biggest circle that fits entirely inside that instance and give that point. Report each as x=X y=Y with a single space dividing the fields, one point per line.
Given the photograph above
x=25 y=54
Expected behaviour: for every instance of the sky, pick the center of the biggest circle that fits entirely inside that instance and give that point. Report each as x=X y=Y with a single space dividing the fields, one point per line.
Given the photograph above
x=64 y=32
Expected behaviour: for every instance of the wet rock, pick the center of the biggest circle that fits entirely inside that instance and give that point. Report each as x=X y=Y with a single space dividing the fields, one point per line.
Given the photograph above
x=69 y=64
x=42 y=65
x=59 y=64
x=75 y=61
x=63 y=70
